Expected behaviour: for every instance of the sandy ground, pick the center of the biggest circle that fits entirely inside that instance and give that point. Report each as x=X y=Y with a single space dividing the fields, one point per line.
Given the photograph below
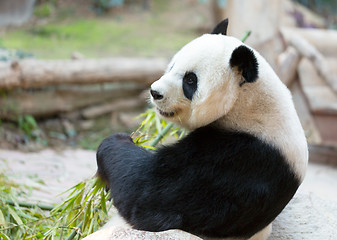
x=50 y=172
x=61 y=170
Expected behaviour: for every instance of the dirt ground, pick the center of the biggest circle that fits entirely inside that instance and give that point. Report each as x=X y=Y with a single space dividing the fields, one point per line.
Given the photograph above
x=52 y=172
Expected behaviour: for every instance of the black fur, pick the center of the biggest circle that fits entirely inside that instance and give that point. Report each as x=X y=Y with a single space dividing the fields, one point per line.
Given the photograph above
x=190 y=85
x=212 y=183
x=221 y=28
x=244 y=59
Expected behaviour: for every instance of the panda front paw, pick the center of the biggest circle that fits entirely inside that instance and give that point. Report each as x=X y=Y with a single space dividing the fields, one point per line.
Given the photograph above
x=121 y=137
x=109 y=151
x=113 y=143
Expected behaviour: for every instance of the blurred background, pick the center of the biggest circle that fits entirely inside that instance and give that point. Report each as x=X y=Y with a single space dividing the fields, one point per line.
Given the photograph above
x=72 y=72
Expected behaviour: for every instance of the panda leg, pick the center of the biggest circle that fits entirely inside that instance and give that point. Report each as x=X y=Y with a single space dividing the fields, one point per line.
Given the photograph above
x=263 y=234
x=117 y=221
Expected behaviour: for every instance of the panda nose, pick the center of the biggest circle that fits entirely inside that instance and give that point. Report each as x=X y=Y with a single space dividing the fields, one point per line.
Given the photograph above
x=156 y=95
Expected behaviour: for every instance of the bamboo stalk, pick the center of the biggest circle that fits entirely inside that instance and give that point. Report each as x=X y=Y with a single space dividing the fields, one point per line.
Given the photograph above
x=247 y=34
x=30 y=205
x=74 y=232
x=161 y=134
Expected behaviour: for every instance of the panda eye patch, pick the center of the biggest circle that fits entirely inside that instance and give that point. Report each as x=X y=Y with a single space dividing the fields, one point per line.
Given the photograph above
x=190 y=78
x=190 y=84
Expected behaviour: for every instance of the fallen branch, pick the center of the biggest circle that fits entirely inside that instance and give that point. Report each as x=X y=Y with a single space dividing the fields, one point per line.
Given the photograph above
x=287 y=63
x=32 y=73
x=309 y=51
x=321 y=98
x=96 y=111
x=52 y=102
x=324 y=40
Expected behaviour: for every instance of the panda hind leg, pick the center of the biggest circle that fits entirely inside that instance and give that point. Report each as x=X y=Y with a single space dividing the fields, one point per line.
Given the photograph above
x=263 y=234
x=117 y=221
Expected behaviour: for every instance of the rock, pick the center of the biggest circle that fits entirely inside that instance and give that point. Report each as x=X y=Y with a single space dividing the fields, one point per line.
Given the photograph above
x=117 y=233
x=306 y=217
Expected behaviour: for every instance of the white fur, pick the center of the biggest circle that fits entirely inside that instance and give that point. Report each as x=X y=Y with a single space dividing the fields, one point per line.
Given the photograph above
x=263 y=234
x=116 y=221
x=263 y=108
x=212 y=69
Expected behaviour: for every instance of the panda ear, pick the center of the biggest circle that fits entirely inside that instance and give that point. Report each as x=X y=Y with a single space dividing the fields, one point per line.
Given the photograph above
x=244 y=59
x=221 y=28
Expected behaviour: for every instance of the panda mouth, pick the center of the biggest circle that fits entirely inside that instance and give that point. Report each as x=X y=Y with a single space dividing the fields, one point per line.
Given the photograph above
x=165 y=114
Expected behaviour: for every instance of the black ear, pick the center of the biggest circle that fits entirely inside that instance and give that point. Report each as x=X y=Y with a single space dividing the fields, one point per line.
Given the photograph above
x=221 y=28
x=244 y=59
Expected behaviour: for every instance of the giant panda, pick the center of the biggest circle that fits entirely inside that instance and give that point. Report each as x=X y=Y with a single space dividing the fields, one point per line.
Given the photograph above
x=242 y=162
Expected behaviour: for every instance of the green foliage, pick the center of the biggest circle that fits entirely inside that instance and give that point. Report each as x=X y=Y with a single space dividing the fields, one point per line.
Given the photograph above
x=97 y=37
x=83 y=212
x=20 y=222
x=29 y=126
x=11 y=54
x=154 y=129
x=43 y=10
x=101 y=6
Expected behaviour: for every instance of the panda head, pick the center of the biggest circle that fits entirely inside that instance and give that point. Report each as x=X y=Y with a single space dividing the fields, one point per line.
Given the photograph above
x=203 y=80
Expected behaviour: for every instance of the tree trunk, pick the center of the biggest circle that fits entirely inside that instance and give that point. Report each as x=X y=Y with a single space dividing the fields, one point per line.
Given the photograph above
x=31 y=73
x=51 y=102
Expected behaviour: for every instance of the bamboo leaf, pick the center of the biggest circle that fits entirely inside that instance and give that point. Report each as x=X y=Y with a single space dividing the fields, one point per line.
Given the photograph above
x=4 y=236
x=139 y=140
x=2 y=219
x=36 y=236
x=158 y=125
x=79 y=197
x=16 y=217
x=30 y=120
x=148 y=147
x=94 y=191
x=103 y=202
x=74 y=188
x=87 y=214
x=70 y=204
x=91 y=227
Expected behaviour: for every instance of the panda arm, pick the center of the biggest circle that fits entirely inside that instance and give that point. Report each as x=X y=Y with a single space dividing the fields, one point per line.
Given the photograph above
x=128 y=171
x=118 y=158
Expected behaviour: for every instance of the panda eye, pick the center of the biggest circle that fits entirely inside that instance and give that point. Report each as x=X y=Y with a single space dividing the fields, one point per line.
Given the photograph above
x=190 y=84
x=190 y=78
